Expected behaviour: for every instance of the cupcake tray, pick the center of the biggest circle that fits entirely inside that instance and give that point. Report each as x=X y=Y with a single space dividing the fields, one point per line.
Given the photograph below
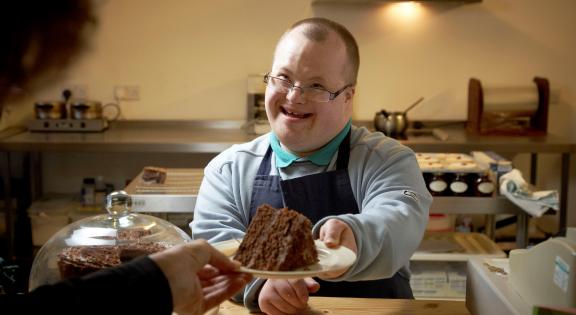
x=448 y=163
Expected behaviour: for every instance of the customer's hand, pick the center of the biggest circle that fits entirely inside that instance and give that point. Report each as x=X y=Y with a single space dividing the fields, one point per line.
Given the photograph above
x=279 y=296
x=200 y=277
x=336 y=233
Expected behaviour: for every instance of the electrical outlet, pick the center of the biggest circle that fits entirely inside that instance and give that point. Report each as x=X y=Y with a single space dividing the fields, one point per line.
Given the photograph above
x=127 y=92
x=79 y=91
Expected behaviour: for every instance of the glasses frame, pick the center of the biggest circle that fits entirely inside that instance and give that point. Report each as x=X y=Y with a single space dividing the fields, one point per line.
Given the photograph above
x=333 y=95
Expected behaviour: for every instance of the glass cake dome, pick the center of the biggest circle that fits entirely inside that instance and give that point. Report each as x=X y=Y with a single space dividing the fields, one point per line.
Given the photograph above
x=102 y=241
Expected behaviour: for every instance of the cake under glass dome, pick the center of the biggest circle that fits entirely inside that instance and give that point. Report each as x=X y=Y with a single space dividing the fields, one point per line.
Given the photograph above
x=102 y=241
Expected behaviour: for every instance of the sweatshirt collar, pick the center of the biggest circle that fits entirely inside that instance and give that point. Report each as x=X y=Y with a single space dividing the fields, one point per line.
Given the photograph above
x=321 y=157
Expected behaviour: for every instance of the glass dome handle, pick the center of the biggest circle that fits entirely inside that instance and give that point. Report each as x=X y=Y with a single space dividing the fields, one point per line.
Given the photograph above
x=118 y=203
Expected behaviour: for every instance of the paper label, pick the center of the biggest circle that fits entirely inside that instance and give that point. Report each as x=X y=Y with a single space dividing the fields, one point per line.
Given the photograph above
x=561 y=273
x=486 y=188
x=458 y=187
x=438 y=185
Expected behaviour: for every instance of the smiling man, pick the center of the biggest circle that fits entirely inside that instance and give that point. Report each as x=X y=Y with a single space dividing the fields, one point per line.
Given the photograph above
x=309 y=99
x=361 y=189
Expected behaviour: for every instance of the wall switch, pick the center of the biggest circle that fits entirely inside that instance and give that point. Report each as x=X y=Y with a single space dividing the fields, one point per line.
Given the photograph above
x=127 y=92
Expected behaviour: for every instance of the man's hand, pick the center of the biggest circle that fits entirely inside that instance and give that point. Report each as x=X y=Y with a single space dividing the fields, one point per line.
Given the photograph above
x=280 y=297
x=200 y=277
x=336 y=233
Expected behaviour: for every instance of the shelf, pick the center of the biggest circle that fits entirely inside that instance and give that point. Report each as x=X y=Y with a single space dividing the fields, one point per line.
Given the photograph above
x=474 y=205
x=455 y=246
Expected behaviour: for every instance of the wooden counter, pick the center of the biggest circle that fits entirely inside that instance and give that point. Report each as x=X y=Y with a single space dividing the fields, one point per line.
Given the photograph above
x=352 y=306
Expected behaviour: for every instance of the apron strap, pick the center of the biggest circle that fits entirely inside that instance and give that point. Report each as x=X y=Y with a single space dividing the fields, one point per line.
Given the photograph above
x=265 y=165
x=344 y=153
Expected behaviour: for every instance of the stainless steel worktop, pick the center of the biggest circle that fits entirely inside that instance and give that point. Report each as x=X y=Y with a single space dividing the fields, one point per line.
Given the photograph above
x=136 y=136
x=212 y=137
x=215 y=136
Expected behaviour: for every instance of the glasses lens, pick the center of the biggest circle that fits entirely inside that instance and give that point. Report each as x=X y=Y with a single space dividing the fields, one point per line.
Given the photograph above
x=309 y=93
x=316 y=95
x=280 y=85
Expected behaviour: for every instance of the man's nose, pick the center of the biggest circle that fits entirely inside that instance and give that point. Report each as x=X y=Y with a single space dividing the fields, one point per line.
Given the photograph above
x=295 y=95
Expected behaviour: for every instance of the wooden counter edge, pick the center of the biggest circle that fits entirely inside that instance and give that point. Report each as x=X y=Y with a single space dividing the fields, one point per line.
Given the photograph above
x=351 y=306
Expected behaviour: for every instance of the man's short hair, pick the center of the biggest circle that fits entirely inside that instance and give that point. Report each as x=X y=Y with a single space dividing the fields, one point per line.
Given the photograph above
x=317 y=29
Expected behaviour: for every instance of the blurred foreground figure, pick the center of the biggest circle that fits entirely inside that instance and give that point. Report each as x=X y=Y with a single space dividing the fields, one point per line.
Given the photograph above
x=39 y=39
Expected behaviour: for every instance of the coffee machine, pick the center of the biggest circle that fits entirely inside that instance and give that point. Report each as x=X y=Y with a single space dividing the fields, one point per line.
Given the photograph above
x=256 y=119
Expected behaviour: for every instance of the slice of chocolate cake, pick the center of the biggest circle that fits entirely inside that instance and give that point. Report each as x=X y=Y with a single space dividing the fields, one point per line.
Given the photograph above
x=277 y=240
x=132 y=234
x=152 y=174
x=77 y=261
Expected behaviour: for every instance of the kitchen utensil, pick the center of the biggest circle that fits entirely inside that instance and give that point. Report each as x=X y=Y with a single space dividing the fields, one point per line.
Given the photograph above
x=50 y=110
x=83 y=109
x=413 y=105
x=390 y=123
x=393 y=123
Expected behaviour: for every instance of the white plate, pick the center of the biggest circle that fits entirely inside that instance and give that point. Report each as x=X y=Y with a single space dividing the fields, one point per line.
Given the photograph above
x=330 y=260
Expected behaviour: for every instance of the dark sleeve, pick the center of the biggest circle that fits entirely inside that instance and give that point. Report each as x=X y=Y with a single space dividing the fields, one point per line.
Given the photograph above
x=136 y=287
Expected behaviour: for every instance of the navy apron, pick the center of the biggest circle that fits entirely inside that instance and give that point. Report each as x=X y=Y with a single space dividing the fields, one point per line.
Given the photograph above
x=318 y=196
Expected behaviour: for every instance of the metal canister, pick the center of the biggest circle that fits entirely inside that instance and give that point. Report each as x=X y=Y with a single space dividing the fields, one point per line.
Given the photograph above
x=50 y=110
x=84 y=109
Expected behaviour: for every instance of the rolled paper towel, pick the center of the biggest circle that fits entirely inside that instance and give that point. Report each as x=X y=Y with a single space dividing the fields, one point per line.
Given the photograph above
x=514 y=101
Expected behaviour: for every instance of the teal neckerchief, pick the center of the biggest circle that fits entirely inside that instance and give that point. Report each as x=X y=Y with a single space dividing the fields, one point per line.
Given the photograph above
x=320 y=158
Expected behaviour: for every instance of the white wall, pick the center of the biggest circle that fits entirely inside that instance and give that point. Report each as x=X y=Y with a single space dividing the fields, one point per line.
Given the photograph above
x=191 y=58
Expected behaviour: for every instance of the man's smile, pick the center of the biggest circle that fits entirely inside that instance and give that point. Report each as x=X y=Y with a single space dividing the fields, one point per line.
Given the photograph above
x=294 y=114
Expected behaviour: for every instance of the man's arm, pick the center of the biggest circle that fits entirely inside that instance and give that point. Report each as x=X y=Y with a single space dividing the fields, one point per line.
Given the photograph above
x=394 y=205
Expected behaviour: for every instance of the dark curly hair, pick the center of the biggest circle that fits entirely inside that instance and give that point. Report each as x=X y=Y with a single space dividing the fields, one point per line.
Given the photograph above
x=39 y=38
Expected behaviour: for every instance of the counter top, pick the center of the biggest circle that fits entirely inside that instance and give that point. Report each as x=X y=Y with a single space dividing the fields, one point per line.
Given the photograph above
x=351 y=306
x=488 y=291
x=215 y=136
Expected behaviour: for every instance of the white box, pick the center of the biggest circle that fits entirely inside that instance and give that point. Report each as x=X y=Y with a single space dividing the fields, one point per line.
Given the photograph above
x=438 y=279
x=438 y=267
x=48 y=216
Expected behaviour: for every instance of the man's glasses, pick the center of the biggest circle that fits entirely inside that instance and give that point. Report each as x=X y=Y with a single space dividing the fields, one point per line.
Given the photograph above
x=309 y=93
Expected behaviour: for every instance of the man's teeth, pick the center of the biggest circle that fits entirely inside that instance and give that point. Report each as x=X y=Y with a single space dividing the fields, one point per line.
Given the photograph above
x=295 y=114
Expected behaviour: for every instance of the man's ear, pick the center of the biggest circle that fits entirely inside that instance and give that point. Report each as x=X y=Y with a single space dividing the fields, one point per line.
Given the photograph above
x=350 y=93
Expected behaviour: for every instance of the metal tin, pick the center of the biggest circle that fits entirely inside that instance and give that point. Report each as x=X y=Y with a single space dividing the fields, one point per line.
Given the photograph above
x=84 y=109
x=50 y=110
